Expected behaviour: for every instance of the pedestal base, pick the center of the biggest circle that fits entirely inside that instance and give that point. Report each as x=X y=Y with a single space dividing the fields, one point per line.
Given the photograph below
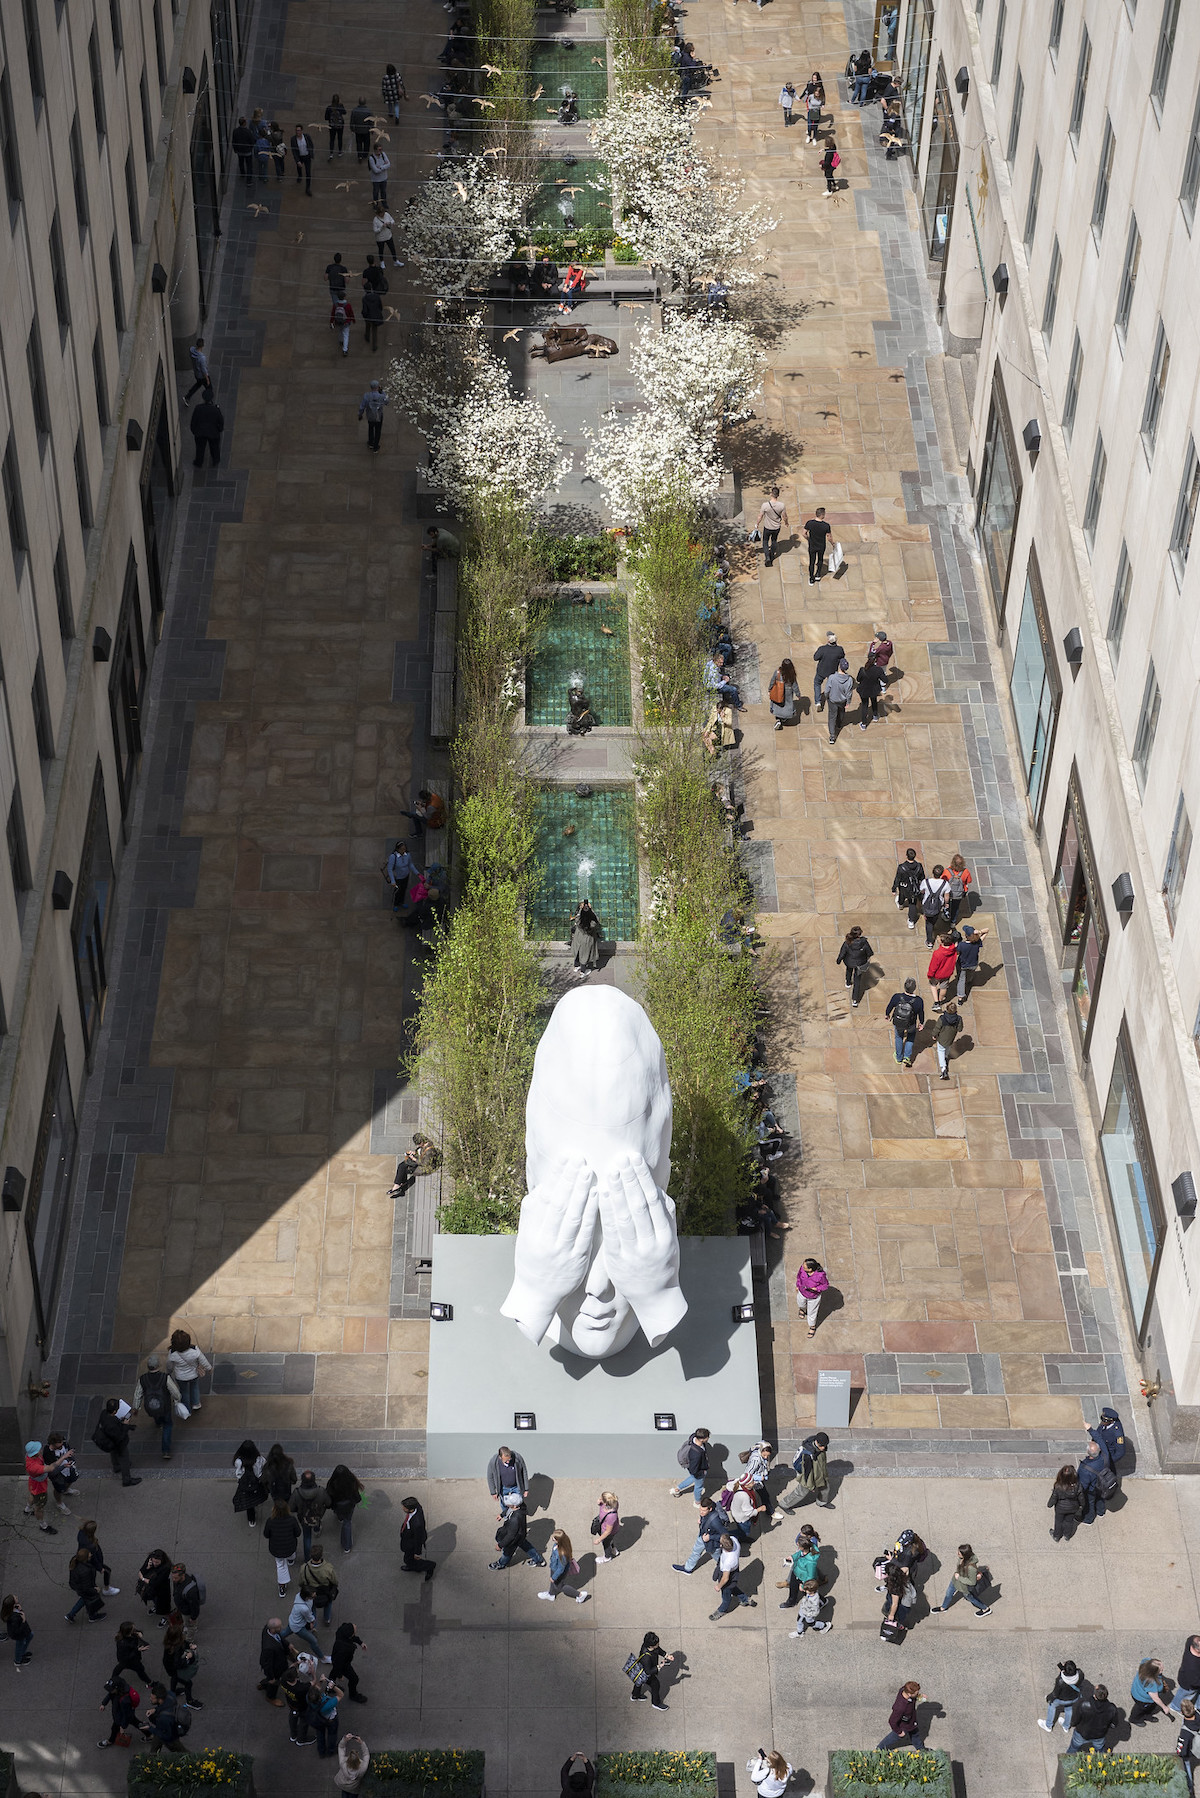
x=595 y=1419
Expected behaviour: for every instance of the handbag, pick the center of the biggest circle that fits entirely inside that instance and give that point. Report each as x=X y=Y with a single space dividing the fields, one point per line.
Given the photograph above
x=836 y=558
x=776 y=693
x=636 y=1672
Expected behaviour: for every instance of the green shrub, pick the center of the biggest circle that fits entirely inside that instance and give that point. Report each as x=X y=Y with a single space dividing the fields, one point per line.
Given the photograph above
x=1121 y=1775
x=579 y=558
x=445 y=1772
x=583 y=243
x=656 y=1773
x=207 y=1767
x=890 y=1773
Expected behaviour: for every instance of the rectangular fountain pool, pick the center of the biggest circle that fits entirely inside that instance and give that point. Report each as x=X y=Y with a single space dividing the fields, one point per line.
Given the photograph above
x=600 y=832
x=583 y=68
x=573 y=642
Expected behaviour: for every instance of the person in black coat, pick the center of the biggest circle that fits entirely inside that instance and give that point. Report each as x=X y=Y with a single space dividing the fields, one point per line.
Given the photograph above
x=130 y=1643
x=124 y=1716
x=345 y=1643
x=154 y=1584
x=302 y=155
x=207 y=423
x=372 y=316
x=413 y=1534
x=242 y=140
x=513 y=1534
x=1188 y=1679
x=870 y=683
x=185 y=1592
x=1095 y=1470
x=697 y=1466
x=1093 y=1717
x=1068 y=1503
x=274 y=1658
x=282 y=1532
x=577 y=1776
x=82 y=1581
x=855 y=954
x=650 y=1657
x=112 y=1433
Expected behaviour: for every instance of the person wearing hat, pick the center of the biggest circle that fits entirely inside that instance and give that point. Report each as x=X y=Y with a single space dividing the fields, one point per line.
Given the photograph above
x=157 y=1393
x=968 y=957
x=39 y=1487
x=839 y=689
x=829 y=659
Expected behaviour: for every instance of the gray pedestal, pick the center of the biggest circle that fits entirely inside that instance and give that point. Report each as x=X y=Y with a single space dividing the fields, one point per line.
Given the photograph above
x=594 y=1418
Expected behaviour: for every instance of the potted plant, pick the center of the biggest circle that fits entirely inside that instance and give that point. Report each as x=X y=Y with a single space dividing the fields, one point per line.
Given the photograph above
x=152 y=1775
x=655 y=1773
x=890 y=1773
x=1092 y=1775
x=424 y=1773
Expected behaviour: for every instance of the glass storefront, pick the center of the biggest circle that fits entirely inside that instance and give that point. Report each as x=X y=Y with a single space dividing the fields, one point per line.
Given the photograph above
x=89 y=928
x=1080 y=913
x=918 y=45
x=1132 y=1184
x=941 y=171
x=998 y=496
x=1035 y=690
x=49 y=1187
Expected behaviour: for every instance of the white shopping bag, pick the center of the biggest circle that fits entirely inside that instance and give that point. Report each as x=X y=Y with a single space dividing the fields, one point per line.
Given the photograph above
x=836 y=558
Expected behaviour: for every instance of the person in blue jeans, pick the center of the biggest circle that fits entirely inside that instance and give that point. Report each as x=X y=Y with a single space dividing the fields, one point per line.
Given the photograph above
x=726 y=1576
x=16 y=1623
x=345 y=1491
x=300 y=1623
x=513 y=1534
x=906 y=1012
x=1062 y=1697
x=965 y=1583
x=903 y=1730
x=697 y=1466
x=1147 y=1692
x=1093 y=1719
x=712 y=1523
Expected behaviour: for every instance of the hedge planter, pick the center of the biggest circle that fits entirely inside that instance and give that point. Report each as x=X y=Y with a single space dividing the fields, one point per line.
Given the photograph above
x=424 y=1773
x=656 y=1775
x=890 y=1773
x=8 y=1777
x=190 y=1775
x=1092 y=1775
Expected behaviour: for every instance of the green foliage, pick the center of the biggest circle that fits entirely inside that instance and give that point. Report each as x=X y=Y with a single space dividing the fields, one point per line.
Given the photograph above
x=506 y=29
x=1118 y=1774
x=186 y=1772
x=622 y=251
x=642 y=53
x=670 y=591
x=656 y=1773
x=579 y=558
x=583 y=243
x=445 y=1772
x=890 y=1773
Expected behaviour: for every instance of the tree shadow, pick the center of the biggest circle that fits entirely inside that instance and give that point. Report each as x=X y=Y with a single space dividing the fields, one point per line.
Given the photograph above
x=758 y=450
x=566 y=518
x=771 y=311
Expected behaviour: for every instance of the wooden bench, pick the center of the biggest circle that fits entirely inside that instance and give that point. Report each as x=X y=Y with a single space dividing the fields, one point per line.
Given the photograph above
x=441 y=696
x=426 y=1198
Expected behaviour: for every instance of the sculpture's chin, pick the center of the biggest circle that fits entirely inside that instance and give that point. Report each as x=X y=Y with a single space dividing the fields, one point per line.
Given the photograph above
x=595 y=1337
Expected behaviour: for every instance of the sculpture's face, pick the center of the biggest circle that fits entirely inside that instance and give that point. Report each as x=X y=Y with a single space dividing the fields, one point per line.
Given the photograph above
x=595 y=1320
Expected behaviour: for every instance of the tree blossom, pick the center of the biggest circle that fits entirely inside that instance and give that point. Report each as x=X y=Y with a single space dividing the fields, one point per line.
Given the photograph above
x=493 y=444
x=462 y=226
x=642 y=136
x=637 y=457
x=693 y=227
x=706 y=370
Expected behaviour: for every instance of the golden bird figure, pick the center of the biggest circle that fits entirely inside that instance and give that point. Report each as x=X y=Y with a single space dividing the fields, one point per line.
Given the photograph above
x=489 y=68
x=343 y=187
x=508 y=334
x=257 y=210
x=490 y=104
x=599 y=61
x=299 y=237
x=495 y=152
x=537 y=94
x=430 y=99
x=461 y=191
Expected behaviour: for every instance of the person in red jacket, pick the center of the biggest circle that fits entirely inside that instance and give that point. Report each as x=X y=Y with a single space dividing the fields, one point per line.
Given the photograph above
x=942 y=969
x=341 y=317
x=903 y=1728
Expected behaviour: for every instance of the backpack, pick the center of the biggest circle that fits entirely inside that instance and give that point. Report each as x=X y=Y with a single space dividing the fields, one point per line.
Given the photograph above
x=908 y=882
x=835 y=161
x=776 y=692
x=373 y=407
x=101 y=1434
x=339 y=316
x=681 y=1454
x=154 y=1394
x=201 y=1589
x=1107 y=1483
x=934 y=904
x=904 y=1013
x=595 y=1525
x=1184 y=1740
x=957 y=885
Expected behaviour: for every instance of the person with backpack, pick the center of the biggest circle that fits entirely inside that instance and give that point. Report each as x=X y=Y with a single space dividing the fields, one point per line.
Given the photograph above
x=562 y=1563
x=111 y=1435
x=783 y=694
x=187 y=1593
x=309 y=1503
x=167 y=1722
x=808 y=1610
x=513 y=1534
x=812 y=1283
x=934 y=903
x=906 y=885
x=642 y=1668
x=279 y=1472
x=1186 y=1742
x=341 y=317
x=856 y=952
x=869 y=682
x=1147 y=1693
x=839 y=689
x=157 y=1394
x=965 y=1583
x=959 y=877
x=693 y=1457
x=1098 y=1481
x=940 y=973
x=281 y=1533
x=1062 y=1697
x=967 y=953
x=82 y=1581
x=945 y=1030
x=59 y=1459
x=154 y=1584
x=122 y=1701
x=831 y=162
x=812 y=1474
x=1068 y=1503
x=1110 y=1434
x=181 y=1663
x=712 y=1525
x=371 y=405
x=294 y=1684
x=319 y=1581
x=906 y=1013
x=1091 y=1721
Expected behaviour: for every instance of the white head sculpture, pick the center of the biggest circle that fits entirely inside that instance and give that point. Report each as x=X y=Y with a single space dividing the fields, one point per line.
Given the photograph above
x=597 y=1253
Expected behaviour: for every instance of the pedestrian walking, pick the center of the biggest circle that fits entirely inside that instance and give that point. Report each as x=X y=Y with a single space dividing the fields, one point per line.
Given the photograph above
x=335 y=121
x=869 y=681
x=242 y=140
x=154 y=1584
x=301 y=1619
x=801 y=1565
x=360 y=125
x=394 y=90
x=294 y=1684
x=900 y=1595
x=119 y=1699
x=958 y=875
x=251 y=1488
x=787 y=99
x=880 y=651
x=354 y=1757
x=562 y=1563
x=904 y=1724
x=319 y=1581
x=838 y=689
x=808 y=1610
x=812 y=1283
x=187 y=1593
x=828 y=659
x=165 y=1726
x=262 y=150
x=274 y=1658
x=302 y=155
x=831 y=162
x=711 y=1525
x=61 y=1470
x=906 y=1013
x=967 y=952
x=378 y=164
x=1068 y=1503
x=906 y=885
x=323 y=1698
x=1187 y=1680
x=181 y=1663
x=131 y=1645
x=1062 y=1697
x=281 y=1533
x=335 y=273
x=81 y=1578
x=413 y=1535
x=1098 y=1482
x=507 y=1475
x=341 y=317
x=758 y=1463
x=817 y=531
x=199 y=363
x=1091 y=1720
x=372 y=314
x=772 y=515
x=811 y=1467
x=19 y=1630
x=770 y=1773
x=346 y=1492
x=694 y=1457
x=185 y=1364
x=1147 y=1693
x=942 y=970
x=1186 y=1743
x=814 y=102
x=37 y=1480
x=935 y=903
x=308 y=1504
x=855 y=955
x=112 y=1434
x=207 y=423
x=345 y=1646
x=604 y=1527
x=278 y=148
x=373 y=277
x=783 y=694
x=86 y=1539
x=279 y=1471
x=945 y=1029
x=382 y=224
x=965 y=1582
x=156 y=1392
x=513 y=1534
x=725 y=1575
x=644 y=1672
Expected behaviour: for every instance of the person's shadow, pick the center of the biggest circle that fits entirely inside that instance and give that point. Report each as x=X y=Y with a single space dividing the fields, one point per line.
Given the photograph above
x=541 y=1491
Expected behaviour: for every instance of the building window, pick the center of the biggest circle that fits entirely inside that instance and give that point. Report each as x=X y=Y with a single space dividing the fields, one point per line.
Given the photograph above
x=159 y=495
x=1079 y=97
x=101 y=380
x=206 y=210
x=1080 y=913
x=33 y=52
x=97 y=79
x=999 y=496
x=14 y=506
x=1132 y=1184
x=47 y=1207
x=9 y=160
x=1035 y=689
x=1156 y=390
x=1031 y=205
x=1189 y=192
x=1162 y=59
x=147 y=121
x=39 y=699
x=1177 y=862
x=918 y=44
x=58 y=271
x=1119 y=609
x=998 y=45
x=1014 y=117
x=1143 y=742
x=1095 y=493
x=83 y=485
x=18 y=851
x=114 y=277
x=1056 y=25
x=1129 y=275
x=160 y=49
x=1185 y=511
x=93 y=904
x=37 y=386
x=1051 y=304
x=125 y=685
x=131 y=198
x=1071 y=397
x=79 y=178
x=62 y=595
x=1108 y=148
x=114 y=19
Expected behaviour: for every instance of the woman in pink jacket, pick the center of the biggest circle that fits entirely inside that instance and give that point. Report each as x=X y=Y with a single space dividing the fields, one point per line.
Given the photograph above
x=811 y=1282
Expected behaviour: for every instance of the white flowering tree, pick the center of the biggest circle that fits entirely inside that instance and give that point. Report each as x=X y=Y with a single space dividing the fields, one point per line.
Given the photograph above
x=642 y=135
x=493 y=445
x=706 y=370
x=638 y=457
x=694 y=227
x=462 y=226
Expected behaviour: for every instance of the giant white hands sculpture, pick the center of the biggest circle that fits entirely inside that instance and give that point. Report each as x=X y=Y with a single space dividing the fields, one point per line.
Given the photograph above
x=597 y=1252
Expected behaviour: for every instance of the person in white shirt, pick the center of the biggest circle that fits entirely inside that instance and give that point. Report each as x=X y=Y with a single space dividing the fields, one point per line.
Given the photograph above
x=186 y=1363
x=770 y=1773
x=382 y=224
x=727 y=1579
